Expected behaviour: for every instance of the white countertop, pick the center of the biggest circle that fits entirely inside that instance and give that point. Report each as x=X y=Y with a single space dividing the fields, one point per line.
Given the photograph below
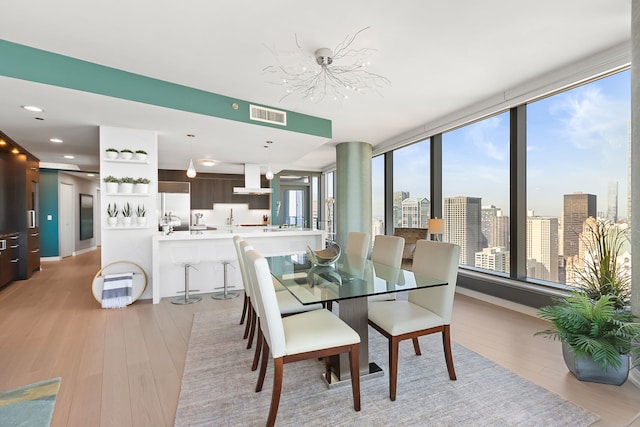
x=227 y=233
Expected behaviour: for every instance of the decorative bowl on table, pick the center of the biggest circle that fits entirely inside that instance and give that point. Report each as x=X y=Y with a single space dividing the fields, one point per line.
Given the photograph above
x=324 y=256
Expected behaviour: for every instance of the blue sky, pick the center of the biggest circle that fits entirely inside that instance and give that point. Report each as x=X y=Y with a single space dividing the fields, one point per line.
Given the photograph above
x=577 y=141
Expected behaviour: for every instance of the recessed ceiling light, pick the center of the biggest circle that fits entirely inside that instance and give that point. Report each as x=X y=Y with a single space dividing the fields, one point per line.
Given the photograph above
x=69 y=157
x=207 y=162
x=56 y=140
x=39 y=118
x=3 y=142
x=15 y=151
x=91 y=174
x=32 y=108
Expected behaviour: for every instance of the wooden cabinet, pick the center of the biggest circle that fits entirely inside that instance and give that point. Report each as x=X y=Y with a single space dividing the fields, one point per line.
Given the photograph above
x=210 y=188
x=9 y=246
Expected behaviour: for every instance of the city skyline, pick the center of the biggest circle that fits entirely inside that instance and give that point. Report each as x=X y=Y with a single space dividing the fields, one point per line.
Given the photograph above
x=575 y=141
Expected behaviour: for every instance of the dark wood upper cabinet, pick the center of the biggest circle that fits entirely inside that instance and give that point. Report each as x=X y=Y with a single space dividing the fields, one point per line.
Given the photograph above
x=210 y=188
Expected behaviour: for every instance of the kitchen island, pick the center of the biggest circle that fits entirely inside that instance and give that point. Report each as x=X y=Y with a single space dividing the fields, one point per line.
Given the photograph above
x=213 y=248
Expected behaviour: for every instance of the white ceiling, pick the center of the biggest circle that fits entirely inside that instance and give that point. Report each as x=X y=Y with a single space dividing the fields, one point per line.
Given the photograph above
x=441 y=57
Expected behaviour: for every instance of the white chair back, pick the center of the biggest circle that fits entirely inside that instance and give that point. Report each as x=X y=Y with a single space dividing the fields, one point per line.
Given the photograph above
x=237 y=240
x=267 y=302
x=244 y=247
x=438 y=260
x=388 y=250
x=357 y=244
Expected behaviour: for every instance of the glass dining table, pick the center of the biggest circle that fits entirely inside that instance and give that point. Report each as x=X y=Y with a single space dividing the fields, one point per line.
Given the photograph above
x=350 y=281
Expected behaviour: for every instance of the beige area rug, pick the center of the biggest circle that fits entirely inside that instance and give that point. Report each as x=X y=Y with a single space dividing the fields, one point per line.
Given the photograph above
x=218 y=388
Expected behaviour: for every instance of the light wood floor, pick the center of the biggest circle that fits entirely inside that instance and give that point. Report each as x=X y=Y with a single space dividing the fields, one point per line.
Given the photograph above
x=123 y=367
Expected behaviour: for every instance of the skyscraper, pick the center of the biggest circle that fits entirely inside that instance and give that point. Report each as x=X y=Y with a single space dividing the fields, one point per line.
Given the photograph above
x=416 y=212
x=577 y=208
x=495 y=259
x=500 y=235
x=612 y=201
x=462 y=225
x=488 y=214
x=398 y=197
x=542 y=248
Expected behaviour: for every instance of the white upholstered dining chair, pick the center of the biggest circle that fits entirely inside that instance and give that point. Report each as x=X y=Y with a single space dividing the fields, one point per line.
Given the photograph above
x=427 y=310
x=302 y=336
x=387 y=250
x=357 y=244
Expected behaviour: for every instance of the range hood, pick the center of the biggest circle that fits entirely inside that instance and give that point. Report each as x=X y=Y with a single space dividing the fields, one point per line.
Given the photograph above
x=251 y=181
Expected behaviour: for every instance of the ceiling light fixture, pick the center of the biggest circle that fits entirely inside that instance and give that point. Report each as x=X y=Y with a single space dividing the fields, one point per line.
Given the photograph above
x=56 y=140
x=269 y=174
x=3 y=142
x=330 y=73
x=32 y=108
x=207 y=162
x=191 y=170
x=68 y=156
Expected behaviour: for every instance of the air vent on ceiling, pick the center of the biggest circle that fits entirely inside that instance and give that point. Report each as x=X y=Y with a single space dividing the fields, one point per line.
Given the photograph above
x=268 y=115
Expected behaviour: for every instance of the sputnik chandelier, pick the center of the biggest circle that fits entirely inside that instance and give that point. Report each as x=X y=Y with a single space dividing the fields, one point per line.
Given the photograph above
x=333 y=74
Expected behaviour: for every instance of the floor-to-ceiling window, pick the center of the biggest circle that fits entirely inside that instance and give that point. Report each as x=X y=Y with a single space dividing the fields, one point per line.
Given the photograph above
x=577 y=167
x=475 y=188
x=411 y=178
x=377 y=195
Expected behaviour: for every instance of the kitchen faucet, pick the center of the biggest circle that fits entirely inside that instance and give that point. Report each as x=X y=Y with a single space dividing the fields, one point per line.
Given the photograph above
x=230 y=219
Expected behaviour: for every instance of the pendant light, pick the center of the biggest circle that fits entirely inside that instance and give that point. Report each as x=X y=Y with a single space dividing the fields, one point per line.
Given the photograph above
x=269 y=174
x=191 y=170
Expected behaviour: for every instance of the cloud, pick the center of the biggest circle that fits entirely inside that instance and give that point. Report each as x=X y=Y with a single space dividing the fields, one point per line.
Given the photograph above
x=590 y=119
x=484 y=134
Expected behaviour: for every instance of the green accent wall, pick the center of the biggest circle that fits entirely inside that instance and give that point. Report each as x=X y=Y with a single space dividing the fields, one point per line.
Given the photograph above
x=49 y=238
x=36 y=65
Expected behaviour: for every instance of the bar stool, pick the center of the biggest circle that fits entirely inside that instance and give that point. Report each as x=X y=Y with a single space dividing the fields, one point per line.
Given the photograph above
x=186 y=257
x=225 y=294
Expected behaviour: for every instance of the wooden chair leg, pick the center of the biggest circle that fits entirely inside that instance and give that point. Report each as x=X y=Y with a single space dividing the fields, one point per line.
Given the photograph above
x=393 y=367
x=327 y=369
x=245 y=307
x=416 y=346
x=256 y=356
x=277 y=390
x=354 y=357
x=252 y=331
x=263 y=365
x=247 y=326
x=446 y=343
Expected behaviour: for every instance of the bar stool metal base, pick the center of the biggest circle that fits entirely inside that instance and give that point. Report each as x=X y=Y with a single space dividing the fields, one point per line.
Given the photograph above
x=186 y=300
x=225 y=294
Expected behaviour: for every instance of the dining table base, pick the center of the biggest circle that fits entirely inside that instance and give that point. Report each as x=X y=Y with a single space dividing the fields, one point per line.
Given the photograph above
x=374 y=371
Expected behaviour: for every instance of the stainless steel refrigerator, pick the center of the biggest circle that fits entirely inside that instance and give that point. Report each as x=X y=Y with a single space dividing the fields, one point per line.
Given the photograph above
x=174 y=202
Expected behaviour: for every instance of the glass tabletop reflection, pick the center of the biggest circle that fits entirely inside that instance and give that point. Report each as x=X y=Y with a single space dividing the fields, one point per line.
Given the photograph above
x=349 y=277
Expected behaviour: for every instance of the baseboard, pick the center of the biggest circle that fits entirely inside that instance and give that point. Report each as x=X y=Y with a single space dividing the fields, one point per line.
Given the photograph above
x=498 y=301
x=634 y=377
x=50 y=258
x=84 y=251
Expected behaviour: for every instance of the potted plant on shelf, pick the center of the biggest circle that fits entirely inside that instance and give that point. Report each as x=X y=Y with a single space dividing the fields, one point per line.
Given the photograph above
x=141 y=155
x=126 y=184
x=111 y=153
x=141 y=213
x=126 y=154
x=111 y=182
x=597 y=338
x=142 y=185
x=112 y=213
x=127 y=213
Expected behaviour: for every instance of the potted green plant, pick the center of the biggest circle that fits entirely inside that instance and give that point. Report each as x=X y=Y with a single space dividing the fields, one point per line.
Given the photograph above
x=141 y=213
x=111 y=153
x=599 y=271
x=126 y=184
x=597 y=338
x=112 y=213
x=141 y=185
x=141 y=155
x=126 y=154
x=111 y=183
x=127 y=213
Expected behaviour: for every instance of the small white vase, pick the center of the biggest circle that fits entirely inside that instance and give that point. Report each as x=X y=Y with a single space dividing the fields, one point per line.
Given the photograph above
x=111 y=154
x=112 y=187
x=141 y=220
x=126 y=155
x=141 y=157
x=126 y=187
x=112 y=221
x=126 y=221
x=141 y=188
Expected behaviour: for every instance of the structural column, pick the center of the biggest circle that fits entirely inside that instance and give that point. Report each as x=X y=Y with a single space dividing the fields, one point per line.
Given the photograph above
x=635 y=169
x=353 y=189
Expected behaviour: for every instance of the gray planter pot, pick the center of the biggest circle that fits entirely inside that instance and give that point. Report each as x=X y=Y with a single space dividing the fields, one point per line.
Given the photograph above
x=585 y=369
